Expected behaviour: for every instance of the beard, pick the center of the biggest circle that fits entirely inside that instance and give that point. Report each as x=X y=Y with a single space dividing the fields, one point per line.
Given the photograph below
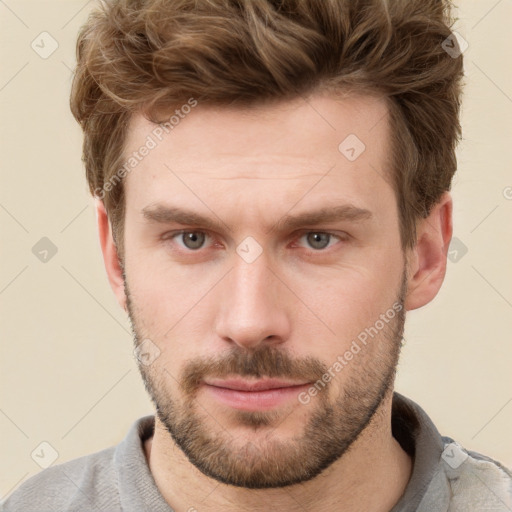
x=331 y=426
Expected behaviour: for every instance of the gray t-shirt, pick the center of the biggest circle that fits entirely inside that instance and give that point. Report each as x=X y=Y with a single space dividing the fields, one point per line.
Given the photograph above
x=445 y=476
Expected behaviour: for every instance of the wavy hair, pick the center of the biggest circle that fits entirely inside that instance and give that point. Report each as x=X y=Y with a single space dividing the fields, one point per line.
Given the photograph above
x=149 y=56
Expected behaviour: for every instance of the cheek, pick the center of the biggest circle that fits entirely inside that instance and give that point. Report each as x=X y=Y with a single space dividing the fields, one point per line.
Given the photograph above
x=346 y=303
x=171 y=310
x=161 y=288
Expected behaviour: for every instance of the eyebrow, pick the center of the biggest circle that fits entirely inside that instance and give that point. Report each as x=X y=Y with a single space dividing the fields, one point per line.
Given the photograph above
x=166 y=214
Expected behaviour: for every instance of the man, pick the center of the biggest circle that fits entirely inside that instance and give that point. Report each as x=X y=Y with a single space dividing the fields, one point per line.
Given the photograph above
x=272 y=189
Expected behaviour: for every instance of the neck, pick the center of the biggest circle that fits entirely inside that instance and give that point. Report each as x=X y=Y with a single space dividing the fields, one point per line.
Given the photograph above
x=372 y=476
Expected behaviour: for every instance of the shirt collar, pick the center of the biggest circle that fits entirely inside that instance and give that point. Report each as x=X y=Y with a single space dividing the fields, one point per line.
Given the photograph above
x=418 y=436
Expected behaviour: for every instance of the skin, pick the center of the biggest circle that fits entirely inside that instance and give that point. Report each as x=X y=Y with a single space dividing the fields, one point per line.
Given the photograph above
x=249 y=168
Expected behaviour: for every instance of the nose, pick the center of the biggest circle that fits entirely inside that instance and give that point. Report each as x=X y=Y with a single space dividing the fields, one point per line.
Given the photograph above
x=253 y=306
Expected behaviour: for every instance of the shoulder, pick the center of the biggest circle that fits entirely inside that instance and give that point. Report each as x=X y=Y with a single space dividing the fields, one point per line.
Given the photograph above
x=87 y=482
x=473 y=481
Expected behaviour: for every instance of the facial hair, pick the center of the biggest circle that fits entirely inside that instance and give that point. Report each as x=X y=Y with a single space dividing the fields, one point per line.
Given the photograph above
x=332 y=426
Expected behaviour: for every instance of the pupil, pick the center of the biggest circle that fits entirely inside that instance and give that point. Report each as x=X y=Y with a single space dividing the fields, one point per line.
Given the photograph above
x=316 y=238
x=193 y=238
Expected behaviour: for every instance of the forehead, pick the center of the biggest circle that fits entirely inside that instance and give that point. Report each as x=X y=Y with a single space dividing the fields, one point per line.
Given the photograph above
x=323 y=147
x=277 y=125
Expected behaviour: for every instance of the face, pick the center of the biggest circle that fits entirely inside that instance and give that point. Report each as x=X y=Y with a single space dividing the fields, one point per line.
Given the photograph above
x=265 y=281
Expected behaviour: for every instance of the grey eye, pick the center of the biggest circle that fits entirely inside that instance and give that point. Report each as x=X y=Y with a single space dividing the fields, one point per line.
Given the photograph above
x=318 y=240
x=193 y=239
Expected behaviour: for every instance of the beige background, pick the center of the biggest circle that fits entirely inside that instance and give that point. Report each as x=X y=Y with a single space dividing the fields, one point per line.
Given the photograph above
x=68 y=375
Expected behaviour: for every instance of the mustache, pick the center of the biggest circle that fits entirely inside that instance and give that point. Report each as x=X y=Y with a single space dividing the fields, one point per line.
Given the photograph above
x=266 y=361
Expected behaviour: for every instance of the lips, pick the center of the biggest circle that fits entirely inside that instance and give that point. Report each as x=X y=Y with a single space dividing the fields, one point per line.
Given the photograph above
x=253 y=395
x=259 y=385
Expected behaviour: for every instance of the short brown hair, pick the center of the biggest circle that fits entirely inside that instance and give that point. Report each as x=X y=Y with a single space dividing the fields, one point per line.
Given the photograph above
x=150 y=56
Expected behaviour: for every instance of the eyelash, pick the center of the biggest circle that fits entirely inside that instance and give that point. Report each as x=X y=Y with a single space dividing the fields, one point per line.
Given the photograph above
x=169 y=236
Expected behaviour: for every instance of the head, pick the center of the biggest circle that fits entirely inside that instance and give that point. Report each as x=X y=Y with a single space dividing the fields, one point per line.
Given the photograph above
x=272 y=183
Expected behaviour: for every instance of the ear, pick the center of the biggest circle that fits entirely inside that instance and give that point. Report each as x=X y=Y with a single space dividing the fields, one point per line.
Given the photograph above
x=110 y=256
x=427 y=259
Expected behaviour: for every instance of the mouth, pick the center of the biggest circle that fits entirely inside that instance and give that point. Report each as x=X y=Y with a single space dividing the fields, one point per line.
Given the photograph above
x=253 y=395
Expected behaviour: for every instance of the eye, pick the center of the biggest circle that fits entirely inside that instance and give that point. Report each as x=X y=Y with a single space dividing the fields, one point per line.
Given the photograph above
x=192 y=240
x=319 y=240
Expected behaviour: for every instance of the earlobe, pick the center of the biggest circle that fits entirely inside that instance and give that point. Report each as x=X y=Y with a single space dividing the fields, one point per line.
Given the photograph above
x=110 y=254
x=427 y=259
